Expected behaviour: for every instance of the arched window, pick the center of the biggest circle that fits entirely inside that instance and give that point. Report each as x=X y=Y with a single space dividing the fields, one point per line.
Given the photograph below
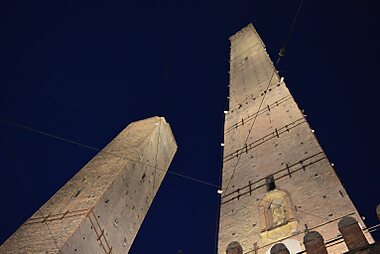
x=279 y=248
x=314 y=243
x=234 y=248
x=292 y=245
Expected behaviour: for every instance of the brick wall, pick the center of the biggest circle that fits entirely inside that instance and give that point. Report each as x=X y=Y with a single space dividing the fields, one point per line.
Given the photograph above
x=101 y=209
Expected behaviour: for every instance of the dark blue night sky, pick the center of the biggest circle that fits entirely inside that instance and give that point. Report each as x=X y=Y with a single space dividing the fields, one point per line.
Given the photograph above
x=83 y=70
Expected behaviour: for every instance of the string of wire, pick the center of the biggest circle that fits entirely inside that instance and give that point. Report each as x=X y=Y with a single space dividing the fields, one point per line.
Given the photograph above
x=29 y=189
x=280 y=55
x=113 y=154
x=104 y=151
x=156 y=167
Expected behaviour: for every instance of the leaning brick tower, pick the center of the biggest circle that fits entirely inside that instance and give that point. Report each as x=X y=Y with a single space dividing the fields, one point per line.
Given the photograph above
x=100 y=210
x=278 y=184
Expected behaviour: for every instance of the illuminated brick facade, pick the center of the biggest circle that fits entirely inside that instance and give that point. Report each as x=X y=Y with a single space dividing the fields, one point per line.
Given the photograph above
x=100 y=210
x=277 y=181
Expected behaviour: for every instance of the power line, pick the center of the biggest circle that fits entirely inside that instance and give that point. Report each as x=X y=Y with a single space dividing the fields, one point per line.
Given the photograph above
x=249 y=132
x=29 y=189
x=280 y=55
x=193 y=179
x=100 y=150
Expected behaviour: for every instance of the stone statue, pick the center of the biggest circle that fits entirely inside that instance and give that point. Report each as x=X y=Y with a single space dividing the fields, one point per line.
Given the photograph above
x=278 y=213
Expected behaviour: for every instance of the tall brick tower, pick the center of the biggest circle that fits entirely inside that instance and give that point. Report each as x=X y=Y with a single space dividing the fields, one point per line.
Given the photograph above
x=277 y=182
x=100 y=210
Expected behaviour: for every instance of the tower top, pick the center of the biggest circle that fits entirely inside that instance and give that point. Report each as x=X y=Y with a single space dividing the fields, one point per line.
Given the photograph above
x=248 y=29
x=251 y=68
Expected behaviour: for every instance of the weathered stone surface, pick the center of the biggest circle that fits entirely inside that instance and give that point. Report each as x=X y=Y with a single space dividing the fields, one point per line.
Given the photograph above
x=101 y=209
x=280 y=143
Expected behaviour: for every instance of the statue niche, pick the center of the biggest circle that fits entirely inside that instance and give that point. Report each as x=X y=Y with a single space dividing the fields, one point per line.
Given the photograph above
x=276 y=215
